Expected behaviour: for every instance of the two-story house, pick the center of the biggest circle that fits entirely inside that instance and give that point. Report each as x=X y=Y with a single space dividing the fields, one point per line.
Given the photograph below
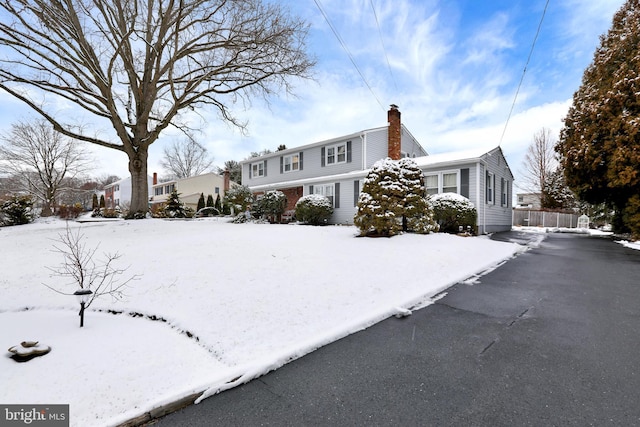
x=118 y=193
x=191 y=188
x=337 y=167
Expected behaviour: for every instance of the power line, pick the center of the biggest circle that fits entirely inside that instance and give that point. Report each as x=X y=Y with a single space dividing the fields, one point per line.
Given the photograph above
x=344 y=46
x=384 y=49
x=524 y=72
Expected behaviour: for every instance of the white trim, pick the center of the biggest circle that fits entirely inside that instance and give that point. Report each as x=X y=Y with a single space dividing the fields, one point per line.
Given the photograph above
x=291 y=163
x=335 y=147
x=257 y=165
x=440 y=175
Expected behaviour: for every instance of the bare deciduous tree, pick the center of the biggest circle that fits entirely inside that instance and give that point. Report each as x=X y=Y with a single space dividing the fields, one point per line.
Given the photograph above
x=84 y=272
x=186 y=158
x=42 y=162
x=539 y=162
x=135 y=65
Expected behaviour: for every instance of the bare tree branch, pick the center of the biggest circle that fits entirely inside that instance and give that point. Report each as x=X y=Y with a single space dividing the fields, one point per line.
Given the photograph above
x=80 y=266
x=186 y=158
x=135 y=65
x=539 y=162
x=41 y=161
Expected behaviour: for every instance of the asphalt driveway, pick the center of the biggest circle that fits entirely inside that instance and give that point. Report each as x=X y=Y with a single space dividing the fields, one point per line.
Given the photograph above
x=552 y=337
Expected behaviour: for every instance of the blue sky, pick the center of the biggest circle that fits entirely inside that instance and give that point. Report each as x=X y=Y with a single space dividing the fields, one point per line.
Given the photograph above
x=452 y=67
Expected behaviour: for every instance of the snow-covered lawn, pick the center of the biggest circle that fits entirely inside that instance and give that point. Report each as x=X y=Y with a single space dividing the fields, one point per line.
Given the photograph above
x=237 y=301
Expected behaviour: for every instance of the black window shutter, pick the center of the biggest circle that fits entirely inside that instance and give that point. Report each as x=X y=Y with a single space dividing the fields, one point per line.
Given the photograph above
x=281 y=164
x=464 y=182
x=337 y=195
x=265 y=168
x=502 y=198
x=250 y=170
x=300 y=159
x=356 y=192
x=348 y=151
x=487 y=185
x=311 y=189
x=322 y=154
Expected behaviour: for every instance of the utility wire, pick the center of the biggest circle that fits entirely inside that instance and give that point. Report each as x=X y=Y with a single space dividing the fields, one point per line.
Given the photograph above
x=384 y=49
x=344 y=46
x=524 y=72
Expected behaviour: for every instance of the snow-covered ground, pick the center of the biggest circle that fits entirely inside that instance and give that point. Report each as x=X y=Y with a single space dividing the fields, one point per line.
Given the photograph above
x=237 y=301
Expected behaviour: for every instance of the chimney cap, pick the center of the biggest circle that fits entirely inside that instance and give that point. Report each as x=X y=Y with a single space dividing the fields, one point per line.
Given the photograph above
x=394 y=107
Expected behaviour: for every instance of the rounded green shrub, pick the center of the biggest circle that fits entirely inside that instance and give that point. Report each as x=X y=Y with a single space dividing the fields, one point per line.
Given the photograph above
x=313 y=209
x=452 y=211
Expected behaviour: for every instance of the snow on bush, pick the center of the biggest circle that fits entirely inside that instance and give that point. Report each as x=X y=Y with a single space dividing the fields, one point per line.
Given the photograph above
x=380 y=204
x=238 y=197
x=17 y=210
x=417 y=215
x=392 y=200
x=313 y=209
x=272 y=205
x=451 y=210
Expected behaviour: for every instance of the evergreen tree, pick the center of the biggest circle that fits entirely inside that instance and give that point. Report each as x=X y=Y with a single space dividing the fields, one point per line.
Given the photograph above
x=239 y=198
x=102 y=204
x=273 y=205
x=417 y=214
x=210 y=201
x=218 y=203
x=600 y=141
x=201 y=204
x=17 y=210
x=381 y=202
x=174 y=208
x=556 y=194
x=94 y=202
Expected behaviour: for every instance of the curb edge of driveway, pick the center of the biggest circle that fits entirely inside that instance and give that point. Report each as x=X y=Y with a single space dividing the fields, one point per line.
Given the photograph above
x=161 y=411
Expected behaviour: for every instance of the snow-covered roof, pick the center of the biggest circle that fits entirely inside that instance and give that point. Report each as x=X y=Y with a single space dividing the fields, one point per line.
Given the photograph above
x=454 y=156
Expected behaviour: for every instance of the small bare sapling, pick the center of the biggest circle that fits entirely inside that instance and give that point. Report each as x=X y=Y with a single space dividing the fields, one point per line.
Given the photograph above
x=101 y=277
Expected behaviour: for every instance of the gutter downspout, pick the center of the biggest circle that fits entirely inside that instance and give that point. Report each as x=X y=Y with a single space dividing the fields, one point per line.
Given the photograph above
x=363 y=136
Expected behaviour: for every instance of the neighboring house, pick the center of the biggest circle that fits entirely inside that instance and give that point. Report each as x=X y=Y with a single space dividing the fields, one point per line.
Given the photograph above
x=528 y=201
x=191 y=188
x=119 y=193
x=337 y=167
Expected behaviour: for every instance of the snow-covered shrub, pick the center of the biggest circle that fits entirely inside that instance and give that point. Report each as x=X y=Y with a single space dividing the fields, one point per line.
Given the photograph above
x=238 y=198
x=393 y=200
x=381 y=202
x=272 y=204
x=313 y=209
x=174 y=208
x=17 y=210
x=451 y=211
x=136 y=215
x=417 y=215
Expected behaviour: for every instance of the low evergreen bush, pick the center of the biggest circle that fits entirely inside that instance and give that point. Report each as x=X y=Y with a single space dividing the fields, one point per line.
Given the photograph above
x=272 y=205
x=313 y=209
x=17 y=210
x=452 y=211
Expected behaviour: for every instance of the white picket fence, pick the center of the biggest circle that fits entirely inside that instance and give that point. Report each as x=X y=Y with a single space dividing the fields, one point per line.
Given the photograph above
x=533 y=218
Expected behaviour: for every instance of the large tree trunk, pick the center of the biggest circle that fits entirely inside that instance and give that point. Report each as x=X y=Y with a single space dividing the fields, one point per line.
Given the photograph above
x=139 y=181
